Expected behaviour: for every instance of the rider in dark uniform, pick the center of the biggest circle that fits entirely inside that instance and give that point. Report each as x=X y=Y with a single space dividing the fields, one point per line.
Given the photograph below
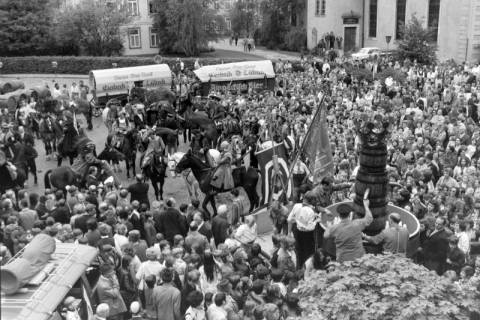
x=8 y=174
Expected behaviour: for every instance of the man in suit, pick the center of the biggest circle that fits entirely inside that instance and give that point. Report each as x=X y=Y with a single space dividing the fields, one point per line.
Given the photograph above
x=171 y=222
x=203 y=227
x=456 y=257
x=139 y=190
x=394 y=238
x=108 y=290
x=195 y=239
x=167 y=298
x=435 y=247
x=220 y=225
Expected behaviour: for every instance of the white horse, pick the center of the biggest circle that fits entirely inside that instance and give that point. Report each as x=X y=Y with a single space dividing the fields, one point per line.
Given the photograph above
x=193 y=187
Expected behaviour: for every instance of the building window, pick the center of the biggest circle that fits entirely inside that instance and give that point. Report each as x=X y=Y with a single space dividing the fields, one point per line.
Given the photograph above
x=133 y=7
x=400 y=22
x=433 y=16
x=153 y=7
x=228 y=22
x=134 y=38
x=320 y=7
x=372 y=20
x=154 y=38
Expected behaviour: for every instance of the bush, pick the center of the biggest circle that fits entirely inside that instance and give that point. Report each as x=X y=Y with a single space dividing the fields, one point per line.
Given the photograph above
x=84 y=64
x=386 y=287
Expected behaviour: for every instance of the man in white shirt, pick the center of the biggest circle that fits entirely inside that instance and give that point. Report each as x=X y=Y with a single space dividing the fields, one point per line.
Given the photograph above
x=150 y=267
x=463 y=239
x=74 y=91
x=56 y=92
x=302 y=222
x=247 y=232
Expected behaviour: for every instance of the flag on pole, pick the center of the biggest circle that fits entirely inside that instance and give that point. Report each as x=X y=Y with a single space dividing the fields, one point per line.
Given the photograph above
x=317 y=148
x=266 y=162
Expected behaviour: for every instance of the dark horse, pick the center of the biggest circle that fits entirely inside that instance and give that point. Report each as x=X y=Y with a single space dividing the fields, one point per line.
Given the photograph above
x=61 y=177
x=203 y=173
x=127 y=151
x=198 y=120
x=6 y=180
x=155 y=170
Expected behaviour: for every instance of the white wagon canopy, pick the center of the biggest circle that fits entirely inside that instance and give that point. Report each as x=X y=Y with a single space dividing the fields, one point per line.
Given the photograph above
x=112 y=82
x=237 y=77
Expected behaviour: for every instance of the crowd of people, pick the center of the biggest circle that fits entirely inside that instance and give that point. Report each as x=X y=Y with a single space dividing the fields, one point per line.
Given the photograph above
x=164 y=260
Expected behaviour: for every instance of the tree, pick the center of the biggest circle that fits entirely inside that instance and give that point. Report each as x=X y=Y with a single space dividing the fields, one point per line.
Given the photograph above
x=283 y=24
x=186 y=26
x=242 y=17
x=386 y=287
x=416 y=42
x=92 y=27
x=24 y=27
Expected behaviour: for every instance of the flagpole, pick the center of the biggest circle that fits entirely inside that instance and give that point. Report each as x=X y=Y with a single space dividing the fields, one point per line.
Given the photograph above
x=300 y=151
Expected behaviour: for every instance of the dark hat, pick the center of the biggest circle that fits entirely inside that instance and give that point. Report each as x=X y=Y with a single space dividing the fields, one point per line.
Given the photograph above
x=344 y=208
x=107 y=247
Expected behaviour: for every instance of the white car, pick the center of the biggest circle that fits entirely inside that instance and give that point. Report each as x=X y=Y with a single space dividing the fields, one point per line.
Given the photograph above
x=366 y=53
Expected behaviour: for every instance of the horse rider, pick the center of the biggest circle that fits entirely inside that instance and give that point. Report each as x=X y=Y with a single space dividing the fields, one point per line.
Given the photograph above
x=87 y=158
x=7 y=139
x=8 y=174
x=48 y=134
x=139 y=118
x=119 y=128
x=222 y=177
x=110 y=112
x=156 y=147
x=69 y=128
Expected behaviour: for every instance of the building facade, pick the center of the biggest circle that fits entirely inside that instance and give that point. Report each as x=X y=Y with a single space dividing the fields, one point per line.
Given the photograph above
x=140 y=37
x=376 y=23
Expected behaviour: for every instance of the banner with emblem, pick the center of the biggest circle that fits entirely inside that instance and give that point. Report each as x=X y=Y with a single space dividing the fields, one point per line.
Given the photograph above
x=266 y=163
x=316 y=148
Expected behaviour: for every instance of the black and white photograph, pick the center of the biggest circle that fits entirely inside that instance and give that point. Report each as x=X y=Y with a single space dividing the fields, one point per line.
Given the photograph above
x=239 y=159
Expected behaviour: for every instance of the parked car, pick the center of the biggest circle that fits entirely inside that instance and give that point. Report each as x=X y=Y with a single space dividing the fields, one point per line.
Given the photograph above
x=366 y=53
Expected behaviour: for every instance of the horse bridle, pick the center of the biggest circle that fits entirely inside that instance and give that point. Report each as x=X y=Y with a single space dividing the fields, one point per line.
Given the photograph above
x=185 y=173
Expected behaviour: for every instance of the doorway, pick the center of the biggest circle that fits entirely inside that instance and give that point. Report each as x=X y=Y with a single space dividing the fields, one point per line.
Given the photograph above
x=350 y=41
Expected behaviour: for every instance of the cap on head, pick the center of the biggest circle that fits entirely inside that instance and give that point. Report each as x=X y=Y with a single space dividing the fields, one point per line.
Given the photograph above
x=395 y=217
x=102 y=310
x=135 y=307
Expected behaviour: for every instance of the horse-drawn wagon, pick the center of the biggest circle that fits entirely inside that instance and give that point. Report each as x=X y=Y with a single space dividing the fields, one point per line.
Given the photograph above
x=238 y=77
x=117 y=83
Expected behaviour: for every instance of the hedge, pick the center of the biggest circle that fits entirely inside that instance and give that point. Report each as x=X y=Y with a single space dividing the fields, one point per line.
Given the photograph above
x=84 y=64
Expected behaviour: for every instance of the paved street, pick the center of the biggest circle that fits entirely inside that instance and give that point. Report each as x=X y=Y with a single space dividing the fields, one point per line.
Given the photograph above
x=174 y=187
x=261 y=52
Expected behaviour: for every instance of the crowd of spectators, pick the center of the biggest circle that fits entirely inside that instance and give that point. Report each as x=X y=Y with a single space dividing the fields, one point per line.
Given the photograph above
x=163 y=260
